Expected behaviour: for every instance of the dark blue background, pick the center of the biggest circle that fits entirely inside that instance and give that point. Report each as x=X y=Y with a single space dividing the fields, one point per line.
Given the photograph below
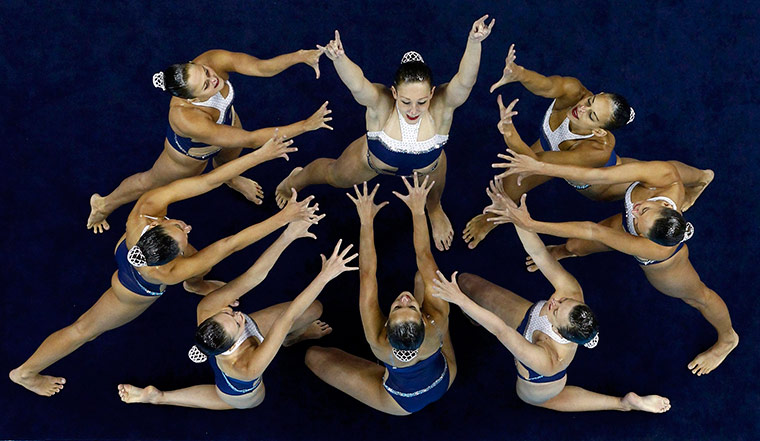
x=80 y=114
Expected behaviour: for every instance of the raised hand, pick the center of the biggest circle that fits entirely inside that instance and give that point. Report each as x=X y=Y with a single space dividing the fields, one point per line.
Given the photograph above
x=300 y=228
x=336 y=264
x=296 y=210
x=517 y=164
x=447 y=290
x=334 y=48
x=495 y=192
x=365 y=204
x=505 y=125
x=319 y=119
x=311 y=57
x=276 y=147
x=417 y=196
x=511 y=70
x=512 y=213
x=480 y=31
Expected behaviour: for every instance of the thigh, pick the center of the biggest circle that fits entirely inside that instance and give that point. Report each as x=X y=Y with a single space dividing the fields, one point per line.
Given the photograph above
x=245 y=401
x=172 y=165
x=116 y=307
x=266 y=317
x=508 y=306
x=357 y=377
x=675 y=277
x=537 y=394
x=351 y=167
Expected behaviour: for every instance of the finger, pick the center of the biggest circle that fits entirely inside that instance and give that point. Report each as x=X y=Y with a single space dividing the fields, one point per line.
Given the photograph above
x=311 y=235
x=293 y=194
x=344 y=252
x=350 y=258
x=364 y=189
x=522 y=200
x=482 y=19
x=416 y=179
x=337 y=247
x=323 y=258
x=406 y=184
x=500 y=102
x=316 y=68
x=398 y=195
x=500 y=165
x=493 y=21
x=382 y=204
x=495 y=86
x=454 y=277
x=374 y=191
x=337 y=36
x=325 y=126
x=519 y=179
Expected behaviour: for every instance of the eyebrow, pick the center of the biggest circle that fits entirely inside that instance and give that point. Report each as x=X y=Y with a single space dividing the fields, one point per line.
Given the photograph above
x=593 y=98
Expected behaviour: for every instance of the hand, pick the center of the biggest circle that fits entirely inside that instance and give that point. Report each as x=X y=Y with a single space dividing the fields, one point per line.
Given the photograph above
x=517 y=164
x=276 y=147
x=505 y=125
x=334 y=48
x=365 y=204
x=311 y=57
x=319 y=119
x=295 y=211
x=447 y=290
x=336 y=264
x=512 y=213
x=299 y=228
x=495 y=192
x=480 y=31
x=511 y=70
x=417 y=196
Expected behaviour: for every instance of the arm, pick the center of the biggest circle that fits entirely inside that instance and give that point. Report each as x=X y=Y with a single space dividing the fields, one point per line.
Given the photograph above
x=560 y=279
x=257 y=361
x=157 y=200
x=565 y=88
x=255 y=67
x=373 y=319
x=206 y=258
x=365 y=93
x=651 y=173
x=415 y=200
x=200 y=127
x=241 y=285
x=538 y=357
x=455 y=93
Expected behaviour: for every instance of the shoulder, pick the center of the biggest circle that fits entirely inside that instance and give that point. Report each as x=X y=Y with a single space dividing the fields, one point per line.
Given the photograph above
x=184 y=118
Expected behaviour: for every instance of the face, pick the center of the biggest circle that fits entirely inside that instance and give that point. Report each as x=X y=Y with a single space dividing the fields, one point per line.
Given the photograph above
x=233 y=322
x=592 y=112
x=178 y=230
x=413 y=99
x=203 y=82
x=404 y=308
x=646 y=213
x=559 y=311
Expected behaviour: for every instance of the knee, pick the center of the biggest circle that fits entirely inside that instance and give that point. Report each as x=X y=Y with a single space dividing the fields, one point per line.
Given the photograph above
x=315 y=309
x=315 y=357
x=335 y=178
x=698 y=298
x=466 y=281
x=84 y=330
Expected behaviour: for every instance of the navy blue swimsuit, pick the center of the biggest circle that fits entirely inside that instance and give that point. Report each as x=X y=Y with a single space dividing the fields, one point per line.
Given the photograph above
x=130 y=278
x=533 y=376
x=414 y=387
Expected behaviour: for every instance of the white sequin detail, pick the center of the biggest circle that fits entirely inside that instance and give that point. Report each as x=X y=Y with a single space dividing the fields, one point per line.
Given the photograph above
x=563 y=133
x=538 y=322
x=408 y=143
x=219 y=102
x=251 y=330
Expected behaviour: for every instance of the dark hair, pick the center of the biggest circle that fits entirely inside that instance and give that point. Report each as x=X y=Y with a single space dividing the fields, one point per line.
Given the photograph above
x=669 y=229
x=211 y=338
x=413 y=72
x=621 y=112
x=583 y=325
x=157 y=246
x=175 y=80
x=407 y=335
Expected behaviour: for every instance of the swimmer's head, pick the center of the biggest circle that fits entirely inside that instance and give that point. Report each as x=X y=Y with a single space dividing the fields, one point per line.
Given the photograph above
x=191 y=81
x=600 y=112
x=579 y=326
x=405 y=327
x=158 y=246
x=412 y=87
x=173 y=79
x=218 y=333
x=668 y=229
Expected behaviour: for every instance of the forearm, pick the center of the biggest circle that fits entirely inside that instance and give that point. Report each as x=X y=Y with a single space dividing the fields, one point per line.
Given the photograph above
x=229 y=170
x=421 y=239
x=467 y=74
x=532 y=244
x=259 y=137
x=252 y=234
x=273 y=66
x=536 y=83
x=351 y=75
x=579 y=230
x=549 y=166
x=260 y=270
x=367 y=267
x=513 y=140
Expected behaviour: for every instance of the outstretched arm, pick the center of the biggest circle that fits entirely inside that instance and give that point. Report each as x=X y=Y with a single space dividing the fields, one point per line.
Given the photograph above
x=258 y=360
x=241 y=285
x=373 y=319
x=156 y=201
x=455 y=93
x=560 y=279
x=365 y=93
x=567 y=89
x=538 y=357
x=651 y=173
x=249 y=65
x=426 y=265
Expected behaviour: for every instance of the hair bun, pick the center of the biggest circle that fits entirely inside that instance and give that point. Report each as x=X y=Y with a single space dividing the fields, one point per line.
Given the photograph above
x=158 y=81
x=411 y=56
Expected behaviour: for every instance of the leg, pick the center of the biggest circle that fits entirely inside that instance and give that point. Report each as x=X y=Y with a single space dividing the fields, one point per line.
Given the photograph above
x=196 y=284
x=507 y=305
x=478 y=227
x=202 y=396
x=695 y=181
x=678 y=278
x=248 y=188
x=349 y=169
x=576 y=399
x=440 y=224
x=110 y=311
x=355 y=376
x=169 y=167
x=306 y=327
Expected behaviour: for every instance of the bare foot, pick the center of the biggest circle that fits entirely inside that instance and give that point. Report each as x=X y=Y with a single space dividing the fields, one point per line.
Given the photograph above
x=649 y=403
x=202 y=287
x=44 y=385
x=705 y=362
x=316 y=329
x=248 y=188
x=693 y=192
x=282 y=192
x=97 y=220
x=559 y=252
x=132 y=394
x=443 y=233
x=476 y=230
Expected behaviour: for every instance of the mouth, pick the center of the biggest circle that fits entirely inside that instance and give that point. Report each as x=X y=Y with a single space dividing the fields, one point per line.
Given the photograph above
x=574 y=112
x=635 y=209
x=216 y=82
x=411 y=118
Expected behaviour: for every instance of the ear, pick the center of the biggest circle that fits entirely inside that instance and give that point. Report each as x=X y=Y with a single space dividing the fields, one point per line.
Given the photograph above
x=154 y=223
x=599 y=132
x=393 y=91
x=432 y=91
